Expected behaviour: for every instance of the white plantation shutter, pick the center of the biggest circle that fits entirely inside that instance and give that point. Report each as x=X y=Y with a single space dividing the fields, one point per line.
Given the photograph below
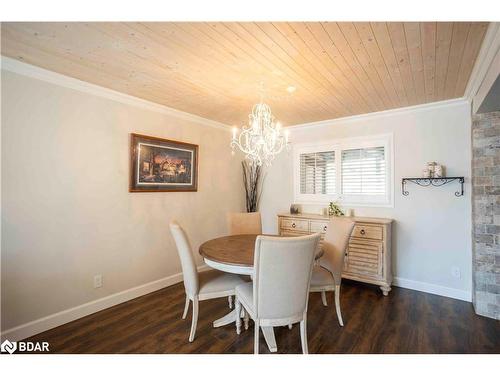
x=354 y=171
x=364 y=171
x=317 y=173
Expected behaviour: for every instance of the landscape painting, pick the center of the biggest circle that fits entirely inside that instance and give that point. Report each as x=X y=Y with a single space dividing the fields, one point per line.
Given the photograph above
x=162 y=165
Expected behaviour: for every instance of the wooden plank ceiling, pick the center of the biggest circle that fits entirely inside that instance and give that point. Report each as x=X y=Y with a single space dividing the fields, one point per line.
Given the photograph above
x=217 y=70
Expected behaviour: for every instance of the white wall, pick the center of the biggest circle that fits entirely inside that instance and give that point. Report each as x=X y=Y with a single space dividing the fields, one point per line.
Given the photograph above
x=67 y=214
x=432 y=229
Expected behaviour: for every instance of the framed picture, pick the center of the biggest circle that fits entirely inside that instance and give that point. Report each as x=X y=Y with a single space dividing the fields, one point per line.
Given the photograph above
x=162 y=165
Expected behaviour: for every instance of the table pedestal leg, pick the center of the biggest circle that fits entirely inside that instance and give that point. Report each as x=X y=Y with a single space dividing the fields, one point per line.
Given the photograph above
x=226 y=319
x=267 y=331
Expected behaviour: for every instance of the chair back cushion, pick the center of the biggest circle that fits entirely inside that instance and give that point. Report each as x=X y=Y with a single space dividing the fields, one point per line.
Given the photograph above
x=282 y=273
x=244 y=223
x=335 y=245
x=189 y=271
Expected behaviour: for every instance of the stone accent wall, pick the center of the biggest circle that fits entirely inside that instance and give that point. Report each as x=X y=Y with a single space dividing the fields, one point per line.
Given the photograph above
x=486 y=214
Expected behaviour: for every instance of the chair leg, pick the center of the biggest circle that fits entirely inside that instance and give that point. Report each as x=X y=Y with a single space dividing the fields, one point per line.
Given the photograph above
x=337 y=304
x=256 y=337
x=238 y=315
x=186 y=308
x=195 y=319
x=246 y=319
x=303 y=335
x=323 y=298
x=230 y=301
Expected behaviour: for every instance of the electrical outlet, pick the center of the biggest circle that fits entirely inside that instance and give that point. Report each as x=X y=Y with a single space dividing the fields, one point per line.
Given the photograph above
x=455 y=272
x=97 y=281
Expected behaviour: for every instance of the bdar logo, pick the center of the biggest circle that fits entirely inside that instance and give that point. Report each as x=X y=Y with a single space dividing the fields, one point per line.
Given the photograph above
x=8 y=346
x=24 y=346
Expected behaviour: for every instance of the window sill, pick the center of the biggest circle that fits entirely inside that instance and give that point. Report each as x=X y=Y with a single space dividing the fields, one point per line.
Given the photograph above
x=346 y=203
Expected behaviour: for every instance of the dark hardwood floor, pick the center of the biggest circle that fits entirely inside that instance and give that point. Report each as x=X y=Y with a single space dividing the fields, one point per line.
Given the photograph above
x=406 y=321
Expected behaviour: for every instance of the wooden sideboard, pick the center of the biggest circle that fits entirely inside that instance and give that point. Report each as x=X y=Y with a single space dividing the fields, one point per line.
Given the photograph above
x=368 y=256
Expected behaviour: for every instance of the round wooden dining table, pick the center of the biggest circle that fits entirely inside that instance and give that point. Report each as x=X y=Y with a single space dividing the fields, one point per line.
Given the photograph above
x=234 y=254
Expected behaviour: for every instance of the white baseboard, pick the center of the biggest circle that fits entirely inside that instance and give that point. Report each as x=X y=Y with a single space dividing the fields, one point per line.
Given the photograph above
x=460 y=294
x=43 y=324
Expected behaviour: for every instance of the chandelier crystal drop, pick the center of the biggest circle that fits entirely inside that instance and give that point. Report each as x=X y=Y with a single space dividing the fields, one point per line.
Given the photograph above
x=262 y=139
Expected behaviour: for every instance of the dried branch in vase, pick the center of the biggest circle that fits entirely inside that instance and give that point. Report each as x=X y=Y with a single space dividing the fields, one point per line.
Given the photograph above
x=252 y=182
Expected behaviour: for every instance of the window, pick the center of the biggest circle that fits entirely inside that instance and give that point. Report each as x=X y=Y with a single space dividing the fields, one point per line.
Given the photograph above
x=353 y=171
x=363 y=171
x=317 y=173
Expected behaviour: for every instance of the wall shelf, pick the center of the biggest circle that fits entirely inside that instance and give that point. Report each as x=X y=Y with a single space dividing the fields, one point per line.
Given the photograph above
x=433 y=181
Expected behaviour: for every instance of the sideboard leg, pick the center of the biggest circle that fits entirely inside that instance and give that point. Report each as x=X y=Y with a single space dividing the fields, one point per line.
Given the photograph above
x=385 y=289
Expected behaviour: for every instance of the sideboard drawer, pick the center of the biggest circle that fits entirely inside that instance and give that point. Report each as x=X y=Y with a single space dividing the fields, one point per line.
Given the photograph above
x=367 y=231
x=293 y=224
x=292 y=233
x=318 y=227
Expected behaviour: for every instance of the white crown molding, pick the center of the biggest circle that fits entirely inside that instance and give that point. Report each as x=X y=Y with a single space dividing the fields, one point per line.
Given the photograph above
x=489 y=49
x=32 y=71
x=35 y=327
x=389 y=112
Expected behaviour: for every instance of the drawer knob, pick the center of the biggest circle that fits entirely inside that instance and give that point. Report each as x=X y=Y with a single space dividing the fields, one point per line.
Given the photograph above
x=324 y=228
x=293 y=225
x=362 y=231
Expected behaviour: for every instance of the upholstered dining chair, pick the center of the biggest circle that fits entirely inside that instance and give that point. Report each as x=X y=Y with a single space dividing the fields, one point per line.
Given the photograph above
x=244 y=223
x=200 y=286
x=279 y=291
x=327 y=276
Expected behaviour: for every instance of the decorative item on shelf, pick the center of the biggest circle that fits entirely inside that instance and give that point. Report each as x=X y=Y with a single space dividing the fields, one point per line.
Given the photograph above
x=262 y=139
x=348 y=212
x=438 y=171
x=295 y=209
x=253 y=184
x=334 y=209
x=433 y=170
x=430 y=167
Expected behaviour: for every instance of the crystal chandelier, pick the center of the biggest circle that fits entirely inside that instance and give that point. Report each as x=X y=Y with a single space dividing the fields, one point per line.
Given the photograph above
x=262 y=139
